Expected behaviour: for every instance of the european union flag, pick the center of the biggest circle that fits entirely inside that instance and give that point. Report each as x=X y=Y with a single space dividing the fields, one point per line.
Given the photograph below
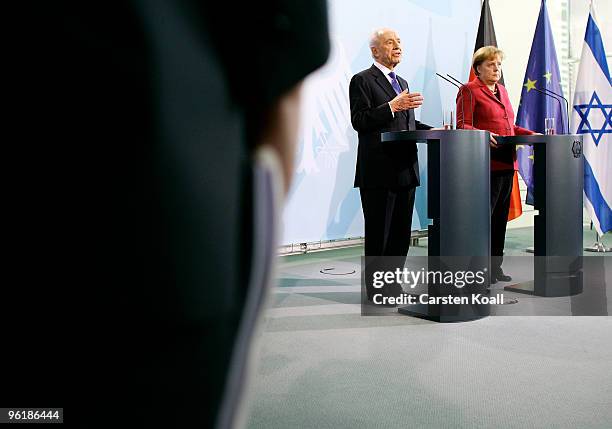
x=542 y=73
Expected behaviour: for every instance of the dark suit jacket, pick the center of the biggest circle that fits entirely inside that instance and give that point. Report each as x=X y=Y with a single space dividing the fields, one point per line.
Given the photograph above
x=489 y=113
x=378 y=167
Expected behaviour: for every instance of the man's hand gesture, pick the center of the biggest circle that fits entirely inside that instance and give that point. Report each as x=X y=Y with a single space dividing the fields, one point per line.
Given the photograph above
x=406 y=100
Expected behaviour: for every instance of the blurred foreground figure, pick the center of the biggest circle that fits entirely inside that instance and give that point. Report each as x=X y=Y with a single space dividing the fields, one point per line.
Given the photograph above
x=159 y=143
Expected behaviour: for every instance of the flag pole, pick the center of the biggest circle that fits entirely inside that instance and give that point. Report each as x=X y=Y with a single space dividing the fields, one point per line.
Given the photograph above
x=598 y=246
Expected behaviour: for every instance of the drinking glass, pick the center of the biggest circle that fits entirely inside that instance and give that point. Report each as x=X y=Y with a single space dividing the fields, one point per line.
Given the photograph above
x=549 y=126
x=449 y=120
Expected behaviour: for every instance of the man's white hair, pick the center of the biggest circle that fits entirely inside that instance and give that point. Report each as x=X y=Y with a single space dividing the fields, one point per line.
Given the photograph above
x=377 y=34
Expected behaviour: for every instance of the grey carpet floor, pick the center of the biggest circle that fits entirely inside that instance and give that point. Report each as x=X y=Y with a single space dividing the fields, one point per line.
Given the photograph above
x=323 y=365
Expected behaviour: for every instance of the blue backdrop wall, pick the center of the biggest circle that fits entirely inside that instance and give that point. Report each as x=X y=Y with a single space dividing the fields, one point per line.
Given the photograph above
x=436 y=36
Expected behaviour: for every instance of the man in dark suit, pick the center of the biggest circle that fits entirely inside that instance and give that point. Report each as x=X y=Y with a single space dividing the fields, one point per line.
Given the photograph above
x=386 y=178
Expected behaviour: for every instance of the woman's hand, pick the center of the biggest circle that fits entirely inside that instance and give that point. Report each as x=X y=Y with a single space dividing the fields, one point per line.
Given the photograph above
x=493 y=142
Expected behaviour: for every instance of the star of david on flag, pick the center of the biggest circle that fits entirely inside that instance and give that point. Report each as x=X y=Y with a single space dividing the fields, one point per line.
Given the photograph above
x=592 y=117
x=603 y=118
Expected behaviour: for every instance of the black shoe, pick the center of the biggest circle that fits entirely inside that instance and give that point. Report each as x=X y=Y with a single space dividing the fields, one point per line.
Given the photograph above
x=502 y=277
x=393 y=290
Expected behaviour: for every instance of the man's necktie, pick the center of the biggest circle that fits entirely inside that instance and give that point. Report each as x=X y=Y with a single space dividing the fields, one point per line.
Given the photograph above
x=394 y=83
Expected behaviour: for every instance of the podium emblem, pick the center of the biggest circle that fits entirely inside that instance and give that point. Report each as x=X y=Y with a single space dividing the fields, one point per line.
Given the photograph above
x=577 y=148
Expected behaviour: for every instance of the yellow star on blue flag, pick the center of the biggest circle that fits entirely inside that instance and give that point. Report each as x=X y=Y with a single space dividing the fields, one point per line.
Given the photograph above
x=530 y=84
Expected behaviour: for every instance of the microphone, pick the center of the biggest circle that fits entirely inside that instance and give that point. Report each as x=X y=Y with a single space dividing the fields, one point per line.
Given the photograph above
x=456 y=80
x=449 y=81
x=554 y=98
x=463 y=85
x=453 y=83
x=566 y=105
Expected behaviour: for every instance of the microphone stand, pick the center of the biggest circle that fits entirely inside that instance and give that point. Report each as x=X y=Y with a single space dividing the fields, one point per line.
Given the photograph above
x=453 y=83
x=566 y=105
x=463 y=85
x=553 y=97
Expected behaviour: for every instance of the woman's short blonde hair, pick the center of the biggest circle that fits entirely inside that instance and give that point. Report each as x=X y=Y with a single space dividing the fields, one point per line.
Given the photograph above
x=486 y=53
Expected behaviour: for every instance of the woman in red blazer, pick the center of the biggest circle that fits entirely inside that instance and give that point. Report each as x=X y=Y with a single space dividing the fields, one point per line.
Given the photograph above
x=483 y=104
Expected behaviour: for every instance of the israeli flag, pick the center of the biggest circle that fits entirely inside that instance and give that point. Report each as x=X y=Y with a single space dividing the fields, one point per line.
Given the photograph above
x=592 y=117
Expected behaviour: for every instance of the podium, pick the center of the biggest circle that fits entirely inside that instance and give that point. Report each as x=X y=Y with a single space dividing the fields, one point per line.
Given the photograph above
x=458 y=202
x=558 y=175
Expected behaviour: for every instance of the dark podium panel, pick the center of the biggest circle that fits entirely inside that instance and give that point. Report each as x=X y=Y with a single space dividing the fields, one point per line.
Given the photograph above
x=558 y=174
x=458 y=202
